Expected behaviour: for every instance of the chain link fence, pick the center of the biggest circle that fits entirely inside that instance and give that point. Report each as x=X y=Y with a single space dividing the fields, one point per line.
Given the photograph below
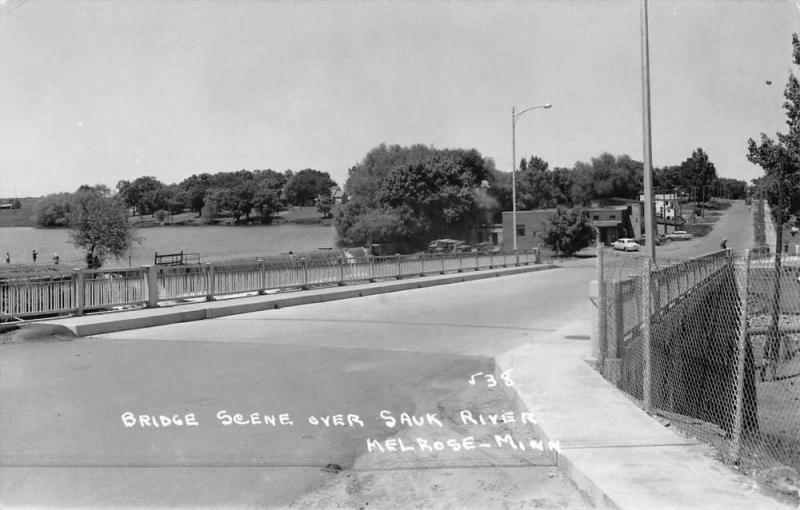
x=710 y=345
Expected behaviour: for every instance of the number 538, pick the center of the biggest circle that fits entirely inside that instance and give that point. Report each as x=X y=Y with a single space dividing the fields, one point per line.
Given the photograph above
x=491 y=380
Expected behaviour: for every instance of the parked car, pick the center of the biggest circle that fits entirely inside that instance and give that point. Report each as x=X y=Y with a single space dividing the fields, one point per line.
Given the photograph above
x=625 y=244
x=659 y=240
x=679 y=235
x=448 y=246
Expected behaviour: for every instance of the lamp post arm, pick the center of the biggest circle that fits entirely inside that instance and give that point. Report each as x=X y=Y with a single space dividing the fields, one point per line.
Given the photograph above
x=519 y=114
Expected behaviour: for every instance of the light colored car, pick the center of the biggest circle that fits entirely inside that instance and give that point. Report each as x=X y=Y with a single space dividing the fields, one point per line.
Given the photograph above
x=679 y=235
x=625 y=244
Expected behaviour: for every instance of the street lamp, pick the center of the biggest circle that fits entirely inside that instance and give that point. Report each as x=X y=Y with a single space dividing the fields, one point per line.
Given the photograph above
x=514 y=117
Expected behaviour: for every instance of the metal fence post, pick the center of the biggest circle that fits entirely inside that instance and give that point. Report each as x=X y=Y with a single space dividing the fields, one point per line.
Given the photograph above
x=618 y=319
x=210 y=285
x=647 y=369
x=441 y=266
x=516 y=257
x=478 y=260
x=460 y=262
x=80 y=292
x=151 y=279
x=304 y=264
x=742 y=279
x=601 y=312
x=341 y=271
x=491 y=260
x=262 y=275
x=399 y=271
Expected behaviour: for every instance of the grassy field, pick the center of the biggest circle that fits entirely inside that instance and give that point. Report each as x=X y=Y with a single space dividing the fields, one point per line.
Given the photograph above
x=22 y=217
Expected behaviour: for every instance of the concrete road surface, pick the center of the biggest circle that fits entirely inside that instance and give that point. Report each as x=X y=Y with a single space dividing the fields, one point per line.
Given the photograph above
x=77 y=428
x=735 y=225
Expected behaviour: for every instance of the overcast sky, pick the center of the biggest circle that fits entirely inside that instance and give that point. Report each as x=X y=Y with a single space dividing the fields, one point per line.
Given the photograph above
x=99 y=91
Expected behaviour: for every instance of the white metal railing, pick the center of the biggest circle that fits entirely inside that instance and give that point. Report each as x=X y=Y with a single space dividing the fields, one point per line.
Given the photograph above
x=79 y=291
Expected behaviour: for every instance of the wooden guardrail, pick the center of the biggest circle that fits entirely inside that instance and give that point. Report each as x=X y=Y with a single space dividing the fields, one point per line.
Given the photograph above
x=81 y=291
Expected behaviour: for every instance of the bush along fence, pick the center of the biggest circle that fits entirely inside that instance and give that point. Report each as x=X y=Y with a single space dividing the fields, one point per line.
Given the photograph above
x=81 y=291
x=710 y=345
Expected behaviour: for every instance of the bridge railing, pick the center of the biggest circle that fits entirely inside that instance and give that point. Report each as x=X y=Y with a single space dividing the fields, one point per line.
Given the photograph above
x=79 y=291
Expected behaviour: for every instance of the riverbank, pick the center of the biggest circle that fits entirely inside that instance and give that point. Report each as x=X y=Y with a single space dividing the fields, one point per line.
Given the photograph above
x=25 y=216
x=291 y=216
x=211 y=242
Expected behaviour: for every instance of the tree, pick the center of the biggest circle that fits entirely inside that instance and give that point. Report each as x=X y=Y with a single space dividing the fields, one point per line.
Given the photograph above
x=569 y=230
x=539 y=188
x=54 y=210
x=409 y=195
x=704 y=173
x=303 y=187
x=606 y=176
x=195 y=187
x=99 y=225
x=324 y=205
x=780 y=158
x=142 y=194
x=267 y=201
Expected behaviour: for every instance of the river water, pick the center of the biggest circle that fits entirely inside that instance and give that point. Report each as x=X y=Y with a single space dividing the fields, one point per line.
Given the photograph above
x=213 y=243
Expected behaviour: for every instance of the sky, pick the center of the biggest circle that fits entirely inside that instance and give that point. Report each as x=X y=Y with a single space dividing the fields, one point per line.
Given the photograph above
x=94 y=92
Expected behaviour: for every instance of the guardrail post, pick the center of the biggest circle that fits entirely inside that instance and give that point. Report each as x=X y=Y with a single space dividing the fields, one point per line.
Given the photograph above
x=742 y=280
x=647 y=369
x=341 y=271
x=80 y=292
x=516 y=257
x=210 y=284
x=151 y=279
x=397 y=258
x=371 y=268
x=262 y=276
x=304 y=264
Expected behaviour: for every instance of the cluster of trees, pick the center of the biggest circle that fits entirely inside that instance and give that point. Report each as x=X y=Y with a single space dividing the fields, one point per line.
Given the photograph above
x=406 y=196
x=609 y=176
x=240 y=194
x=409 y=195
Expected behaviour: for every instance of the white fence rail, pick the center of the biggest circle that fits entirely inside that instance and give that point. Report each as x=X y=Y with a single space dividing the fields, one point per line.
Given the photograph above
x=81 y=291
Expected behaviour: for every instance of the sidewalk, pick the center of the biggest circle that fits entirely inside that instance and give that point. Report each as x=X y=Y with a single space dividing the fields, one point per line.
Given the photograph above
x=613 y=451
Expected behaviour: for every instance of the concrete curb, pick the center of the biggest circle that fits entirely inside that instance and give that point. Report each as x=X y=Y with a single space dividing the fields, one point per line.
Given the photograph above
x=618 y=455
x=111 y=322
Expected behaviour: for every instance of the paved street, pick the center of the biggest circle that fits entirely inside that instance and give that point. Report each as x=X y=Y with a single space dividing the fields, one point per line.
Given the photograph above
x=735 y=225
x=65 y=442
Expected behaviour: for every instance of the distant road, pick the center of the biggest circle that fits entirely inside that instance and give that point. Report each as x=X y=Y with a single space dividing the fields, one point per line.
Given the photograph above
x=735 y=225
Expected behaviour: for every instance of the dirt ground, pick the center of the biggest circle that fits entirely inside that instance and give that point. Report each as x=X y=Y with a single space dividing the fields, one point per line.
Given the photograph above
x=452 y=488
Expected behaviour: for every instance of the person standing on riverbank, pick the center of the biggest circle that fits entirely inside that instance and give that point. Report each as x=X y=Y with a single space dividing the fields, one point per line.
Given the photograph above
x=8 y=258
x=34 y=255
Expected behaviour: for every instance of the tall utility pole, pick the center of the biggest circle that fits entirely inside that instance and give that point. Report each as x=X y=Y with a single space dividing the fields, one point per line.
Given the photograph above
x=514 y=117
x=649 y=206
